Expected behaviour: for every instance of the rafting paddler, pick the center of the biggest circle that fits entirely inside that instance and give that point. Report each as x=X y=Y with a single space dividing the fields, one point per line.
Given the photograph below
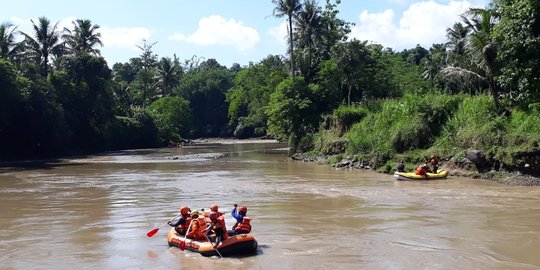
x=198 y=227
x=217 y=228
x=182 y=224
x=242 y=224
x=215 y=208
x=422 y=170
x=434 y=164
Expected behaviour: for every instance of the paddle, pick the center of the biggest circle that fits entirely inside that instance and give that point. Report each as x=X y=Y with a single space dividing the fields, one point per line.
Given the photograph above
x=215 y=248
x=211 y=243
x=154 y=231
x=182 y=245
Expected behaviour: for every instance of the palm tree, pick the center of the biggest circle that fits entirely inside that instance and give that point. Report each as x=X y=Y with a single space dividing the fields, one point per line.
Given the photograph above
x=83 y=38
x=45 y=44
x=168 y=73
x=457 y=36
x=8 y=46
x=481 y=49
x=288 y=8
x=309 y=30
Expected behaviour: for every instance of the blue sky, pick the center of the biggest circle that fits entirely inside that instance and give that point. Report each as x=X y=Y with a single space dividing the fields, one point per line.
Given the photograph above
x=233 y=31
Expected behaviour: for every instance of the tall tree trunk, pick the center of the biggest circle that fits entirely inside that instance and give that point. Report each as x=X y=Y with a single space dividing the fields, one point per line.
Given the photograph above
x=291 y=50
x=349 y=95
x=494 y=94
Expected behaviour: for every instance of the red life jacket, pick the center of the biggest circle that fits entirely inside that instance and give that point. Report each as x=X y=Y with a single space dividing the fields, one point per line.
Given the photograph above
x=221 y=224
x=421 y=171
x=244 y=226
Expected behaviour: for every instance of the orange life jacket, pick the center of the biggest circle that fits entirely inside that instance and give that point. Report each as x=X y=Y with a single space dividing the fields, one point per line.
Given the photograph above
x=221 y=224
x=197 y=229
x=244 y=226
x=421 y=171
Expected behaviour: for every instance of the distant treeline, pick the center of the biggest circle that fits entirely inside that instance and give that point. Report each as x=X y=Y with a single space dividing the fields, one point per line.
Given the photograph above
x=58 y=95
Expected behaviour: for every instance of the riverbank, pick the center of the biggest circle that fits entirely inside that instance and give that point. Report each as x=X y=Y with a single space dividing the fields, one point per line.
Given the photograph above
x=231 y=141
x=454 y=169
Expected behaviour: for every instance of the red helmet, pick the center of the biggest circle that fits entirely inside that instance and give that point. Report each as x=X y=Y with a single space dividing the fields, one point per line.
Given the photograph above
x=214 y=207
x=213 y=215
x=242 y=209
x=184 y=210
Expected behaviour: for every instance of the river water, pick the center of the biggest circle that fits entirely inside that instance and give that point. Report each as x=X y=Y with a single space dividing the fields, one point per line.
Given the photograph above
x=94 y=212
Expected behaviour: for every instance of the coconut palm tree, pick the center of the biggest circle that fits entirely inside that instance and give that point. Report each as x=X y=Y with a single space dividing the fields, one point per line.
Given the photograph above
x=83 y=38
x=288 y=8
x=168 y=73
x=481 y=50
x=8 y=46
x=456 y=42
x=309 y=30
x=45 y=44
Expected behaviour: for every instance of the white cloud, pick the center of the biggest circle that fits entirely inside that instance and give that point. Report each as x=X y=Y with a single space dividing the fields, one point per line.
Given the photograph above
x=124 y=37
x=422 y=23
x=279 y=33
x=216 y=30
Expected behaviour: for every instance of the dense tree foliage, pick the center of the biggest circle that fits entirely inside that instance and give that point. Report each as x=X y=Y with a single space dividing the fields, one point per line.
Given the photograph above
x=172 y=116
x=58 y=95
x=251 y=93
x=518 y=35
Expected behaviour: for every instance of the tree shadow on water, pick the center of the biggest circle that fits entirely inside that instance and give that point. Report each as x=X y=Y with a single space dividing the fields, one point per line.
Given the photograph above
x=14 y=166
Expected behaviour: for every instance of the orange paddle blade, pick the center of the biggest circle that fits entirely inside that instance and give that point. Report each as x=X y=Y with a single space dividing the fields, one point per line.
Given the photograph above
x=152 y=232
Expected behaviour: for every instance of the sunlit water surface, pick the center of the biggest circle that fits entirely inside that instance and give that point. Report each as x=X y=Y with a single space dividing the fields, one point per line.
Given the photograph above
x=94 y=212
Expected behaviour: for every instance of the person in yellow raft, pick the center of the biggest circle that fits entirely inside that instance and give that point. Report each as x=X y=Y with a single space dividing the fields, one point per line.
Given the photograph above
x=433 y=164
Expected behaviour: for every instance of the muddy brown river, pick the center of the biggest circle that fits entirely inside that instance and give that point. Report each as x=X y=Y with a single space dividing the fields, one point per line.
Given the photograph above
x=94 y=212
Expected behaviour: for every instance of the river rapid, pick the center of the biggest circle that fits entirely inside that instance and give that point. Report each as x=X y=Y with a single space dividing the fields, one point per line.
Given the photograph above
x=94 y=212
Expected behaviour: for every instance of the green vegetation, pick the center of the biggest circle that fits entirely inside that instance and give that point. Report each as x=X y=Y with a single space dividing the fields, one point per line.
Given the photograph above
x=330 y=96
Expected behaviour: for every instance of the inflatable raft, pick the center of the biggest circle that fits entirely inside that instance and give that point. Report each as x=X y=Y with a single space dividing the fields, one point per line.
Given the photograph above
x=241 y=244
x=411 y=176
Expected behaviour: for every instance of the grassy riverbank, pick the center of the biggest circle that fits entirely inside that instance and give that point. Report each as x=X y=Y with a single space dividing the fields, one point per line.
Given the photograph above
x=377 y=136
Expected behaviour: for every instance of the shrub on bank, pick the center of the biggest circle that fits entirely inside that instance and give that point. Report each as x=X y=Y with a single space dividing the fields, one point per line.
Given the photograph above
x=416 y=127
x=400 y=125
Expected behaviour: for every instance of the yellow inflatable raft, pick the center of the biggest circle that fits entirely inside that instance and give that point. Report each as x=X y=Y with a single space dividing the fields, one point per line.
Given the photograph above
x=411 y=176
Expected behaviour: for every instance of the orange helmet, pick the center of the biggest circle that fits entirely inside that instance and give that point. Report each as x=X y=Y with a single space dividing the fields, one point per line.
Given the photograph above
x=214 y=207
x=242 y=209
x=213 y=215
x=184 y=210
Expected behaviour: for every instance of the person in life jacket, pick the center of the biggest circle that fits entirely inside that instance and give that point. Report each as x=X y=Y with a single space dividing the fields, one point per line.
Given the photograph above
x=214 y=208
x=220 y=216
x=217 y=228
x=401 y=166
x=198 y=227
x=422 y=170
x=242 y=224
x=182 y=224
x=433 y=164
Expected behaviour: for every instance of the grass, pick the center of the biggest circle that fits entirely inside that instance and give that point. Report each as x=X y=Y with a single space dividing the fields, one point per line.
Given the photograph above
x=415 y=127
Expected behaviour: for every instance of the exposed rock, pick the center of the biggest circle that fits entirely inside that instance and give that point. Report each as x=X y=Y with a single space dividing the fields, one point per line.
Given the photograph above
x=521 y=180
x=478 y=158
